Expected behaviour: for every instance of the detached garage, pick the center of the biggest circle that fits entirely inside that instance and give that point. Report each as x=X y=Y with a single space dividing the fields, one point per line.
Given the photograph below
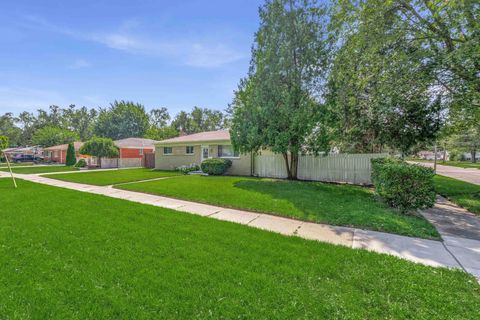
x=132 y=151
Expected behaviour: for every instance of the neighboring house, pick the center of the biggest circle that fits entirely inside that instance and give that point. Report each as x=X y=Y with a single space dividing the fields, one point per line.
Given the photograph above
x=193 y=149
x=467 y=156
x=429 y=155
x=132 y=150
x=58 y=153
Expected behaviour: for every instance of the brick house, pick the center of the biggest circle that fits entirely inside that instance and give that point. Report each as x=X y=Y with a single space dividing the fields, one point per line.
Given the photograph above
x=131 y=151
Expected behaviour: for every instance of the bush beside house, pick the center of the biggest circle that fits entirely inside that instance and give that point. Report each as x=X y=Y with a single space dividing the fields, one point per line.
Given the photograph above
x=216 y=166
x=403 y=186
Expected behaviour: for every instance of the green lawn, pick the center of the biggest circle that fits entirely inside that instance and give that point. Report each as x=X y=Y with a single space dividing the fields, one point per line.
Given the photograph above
x=344 y=205
x=464 y=194
x=73 y=255
x=40 y=169
x=4 y=164
x=104 y=178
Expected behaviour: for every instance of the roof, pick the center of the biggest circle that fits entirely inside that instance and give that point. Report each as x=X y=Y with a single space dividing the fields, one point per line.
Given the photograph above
x=76 y=144
x=220 y=135
x=135 y=143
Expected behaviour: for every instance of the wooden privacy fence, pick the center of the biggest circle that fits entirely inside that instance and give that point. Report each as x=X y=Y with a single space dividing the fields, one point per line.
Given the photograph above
x=149 y=160
x=349 y=168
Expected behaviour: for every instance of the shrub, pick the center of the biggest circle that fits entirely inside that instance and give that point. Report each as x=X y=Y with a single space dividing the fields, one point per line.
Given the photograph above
x=81 y=163
x=70 y=158
x=187 y=169
x=402 y=185
x=216 y=166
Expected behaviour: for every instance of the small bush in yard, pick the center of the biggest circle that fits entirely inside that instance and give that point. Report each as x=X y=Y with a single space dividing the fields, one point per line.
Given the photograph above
x=216 y=166
x=81 y=163
x=402 y=185
x=187 y=169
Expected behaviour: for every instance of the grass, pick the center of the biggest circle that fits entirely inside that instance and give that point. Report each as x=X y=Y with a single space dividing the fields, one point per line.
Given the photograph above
x=459 y=164
x=104 y=178
x=40 y=169
x=343 y=205
x=464 y=194
x=4 y=164
x=73 y=255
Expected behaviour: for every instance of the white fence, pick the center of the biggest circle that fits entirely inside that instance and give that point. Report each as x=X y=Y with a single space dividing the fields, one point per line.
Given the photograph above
x=349 y=168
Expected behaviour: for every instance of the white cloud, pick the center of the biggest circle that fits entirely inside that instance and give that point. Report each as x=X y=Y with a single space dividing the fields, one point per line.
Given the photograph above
x=196 y=51
x=80 y=64
x=17 y=99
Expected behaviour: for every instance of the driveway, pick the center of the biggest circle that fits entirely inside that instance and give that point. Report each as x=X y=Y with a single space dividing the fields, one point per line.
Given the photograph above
x=467 y=175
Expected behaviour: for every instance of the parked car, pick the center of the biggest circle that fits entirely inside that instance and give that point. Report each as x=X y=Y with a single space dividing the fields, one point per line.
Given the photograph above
x=19 y=158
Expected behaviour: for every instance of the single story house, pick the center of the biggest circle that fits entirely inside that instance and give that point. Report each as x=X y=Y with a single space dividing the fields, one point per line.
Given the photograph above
x=194 y=148
x=58 y=153
x=32 y=150
x=131 y=151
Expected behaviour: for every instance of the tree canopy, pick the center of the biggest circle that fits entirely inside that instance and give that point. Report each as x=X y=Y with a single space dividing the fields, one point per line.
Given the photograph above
x=100 y=148
x=50 y=136
x=121 y=120
x=277 y=106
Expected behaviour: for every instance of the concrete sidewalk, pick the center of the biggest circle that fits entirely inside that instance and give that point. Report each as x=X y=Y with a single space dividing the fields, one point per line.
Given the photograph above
x=427 y=252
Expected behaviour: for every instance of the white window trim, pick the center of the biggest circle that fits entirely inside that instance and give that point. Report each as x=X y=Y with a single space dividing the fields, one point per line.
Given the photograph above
x=167 y=154
x=190 y=154
x=229 y=157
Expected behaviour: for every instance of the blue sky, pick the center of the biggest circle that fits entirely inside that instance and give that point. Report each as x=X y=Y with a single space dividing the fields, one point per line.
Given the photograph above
x=174 y=54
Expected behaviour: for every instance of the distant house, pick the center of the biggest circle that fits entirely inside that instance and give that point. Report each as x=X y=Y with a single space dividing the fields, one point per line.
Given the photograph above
x=194 y=148
x=429 y=155
x=58 y=153
x=133 y=150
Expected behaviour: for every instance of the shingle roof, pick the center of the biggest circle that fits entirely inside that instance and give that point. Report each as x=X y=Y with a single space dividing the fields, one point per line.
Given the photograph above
x=135 y=143
x=77 y=145
x=220 y=135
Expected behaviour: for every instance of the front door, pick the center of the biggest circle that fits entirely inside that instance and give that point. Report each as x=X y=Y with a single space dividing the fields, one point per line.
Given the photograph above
x=205 y=151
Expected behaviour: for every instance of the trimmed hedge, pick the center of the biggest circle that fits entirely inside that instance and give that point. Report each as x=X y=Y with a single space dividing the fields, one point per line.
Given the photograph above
x=403 y=186
x=216 y=166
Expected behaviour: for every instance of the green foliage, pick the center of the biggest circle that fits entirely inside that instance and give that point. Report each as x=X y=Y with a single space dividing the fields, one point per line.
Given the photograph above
x=403 y=186
x=122 y=120
x=81 y=163
x=187 y=169
x=199 y=120
x=9 y=129
x=52 y=136
x=4 y=142
x=71 y=157
x=162 y=133
x=100 y=148
x=467 y=140
x=276 y=107
x=216 y=166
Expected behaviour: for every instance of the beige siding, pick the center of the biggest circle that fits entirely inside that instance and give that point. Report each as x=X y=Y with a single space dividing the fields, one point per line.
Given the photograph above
x=177 y=159
x=240 y=165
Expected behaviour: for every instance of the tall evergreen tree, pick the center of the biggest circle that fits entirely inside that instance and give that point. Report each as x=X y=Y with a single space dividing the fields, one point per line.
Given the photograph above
x=277 y=107
x=71 y=158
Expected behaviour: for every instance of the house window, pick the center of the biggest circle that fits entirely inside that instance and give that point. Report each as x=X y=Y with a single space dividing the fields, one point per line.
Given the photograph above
x=167 y=150
x=140 y=152
x=189 y=150
x=227 y=152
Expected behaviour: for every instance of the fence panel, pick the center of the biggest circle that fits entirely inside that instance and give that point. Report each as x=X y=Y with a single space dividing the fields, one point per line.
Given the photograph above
x=349 y=168
x=149 y=160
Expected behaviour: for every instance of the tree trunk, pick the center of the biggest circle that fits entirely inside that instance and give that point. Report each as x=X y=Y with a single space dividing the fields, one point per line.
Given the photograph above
x=474 y=156
x=291 y=165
